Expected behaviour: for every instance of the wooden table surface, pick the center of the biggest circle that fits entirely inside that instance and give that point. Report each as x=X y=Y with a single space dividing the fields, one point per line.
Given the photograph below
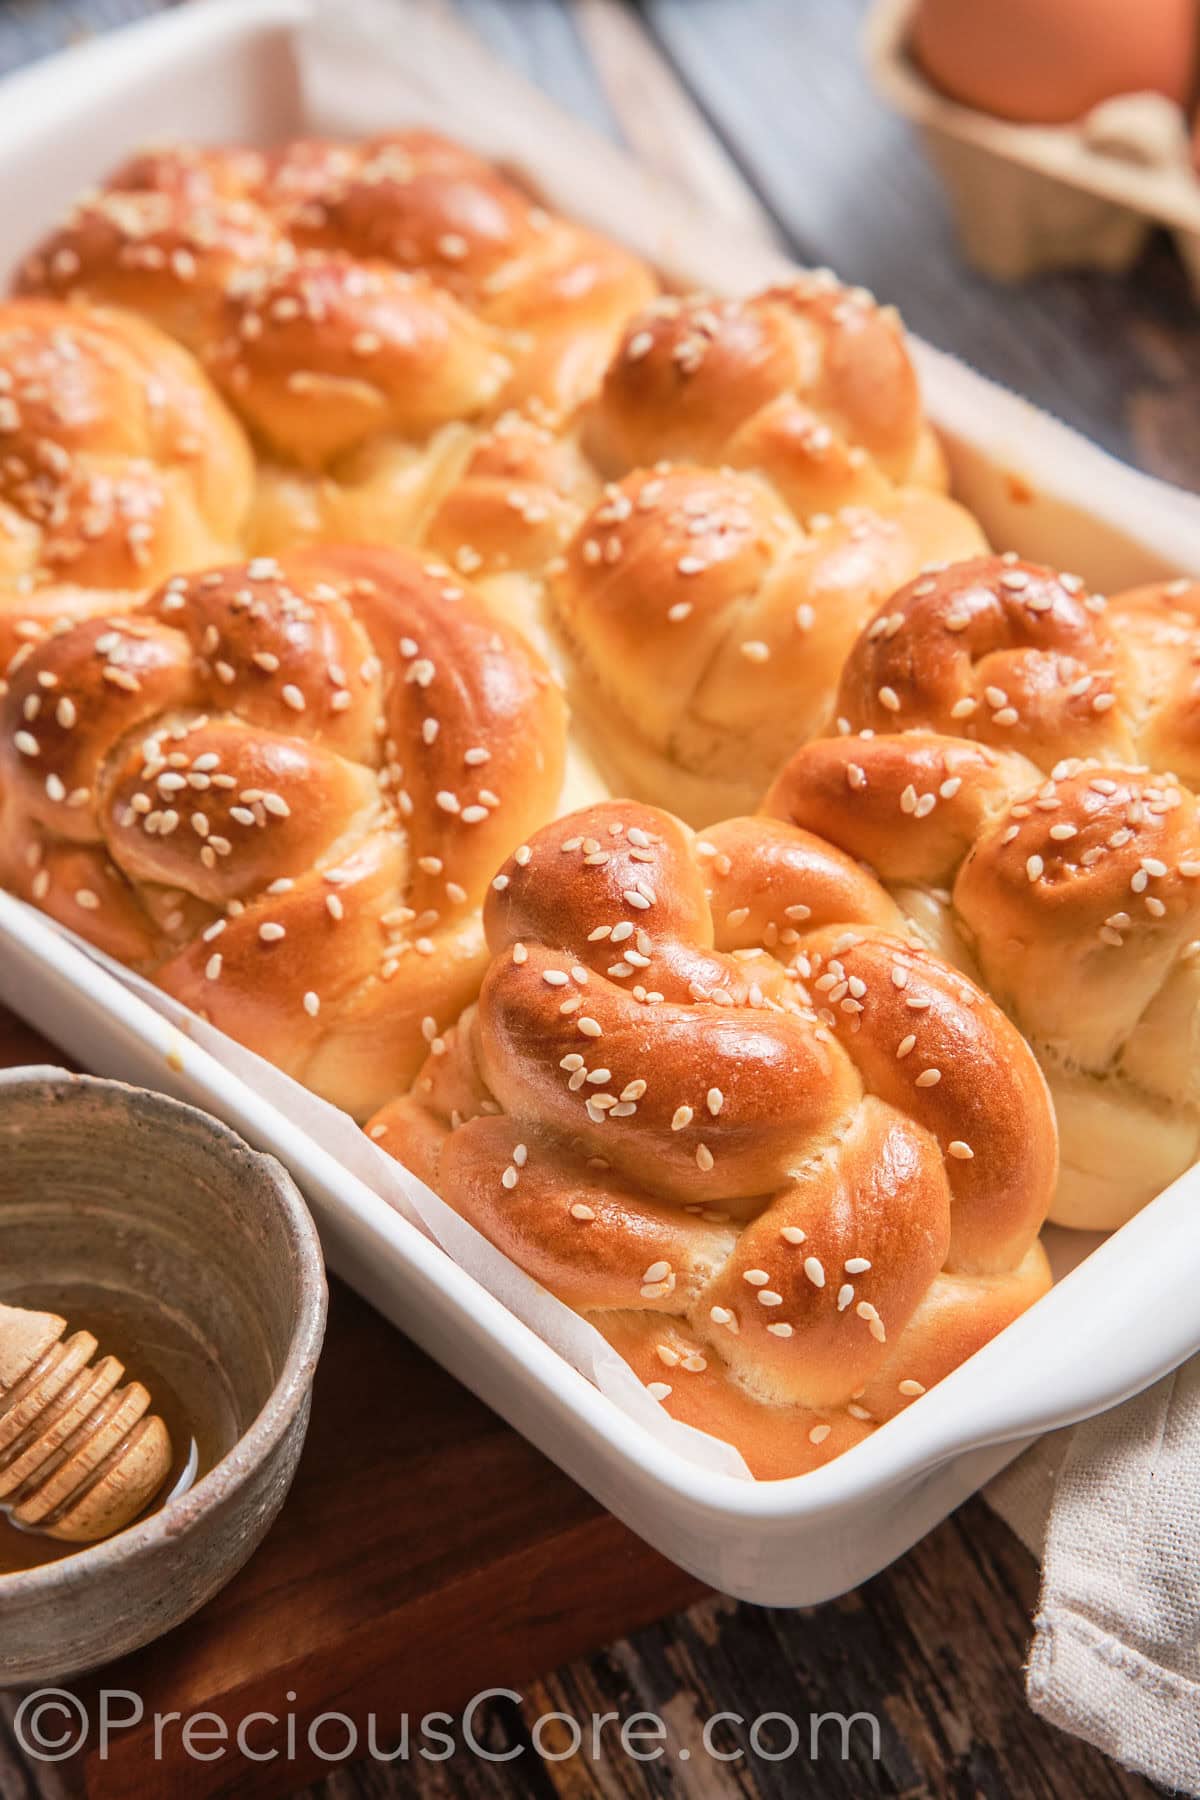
x=485 y=1566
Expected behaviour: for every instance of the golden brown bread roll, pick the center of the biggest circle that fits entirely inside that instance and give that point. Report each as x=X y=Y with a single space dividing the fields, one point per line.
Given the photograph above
x=811 y=386
x=810 y=383
x=424 y=355
x=357 y=304
x=784 y=482
x=280 y=788
x=1101 y=695
x=707 y=627
x=1014 y=654
x=119 y=465
x=1074 y=897
x=714 y=1097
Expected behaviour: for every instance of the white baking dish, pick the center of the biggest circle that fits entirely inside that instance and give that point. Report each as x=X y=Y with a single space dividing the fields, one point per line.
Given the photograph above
x=1122 y=1317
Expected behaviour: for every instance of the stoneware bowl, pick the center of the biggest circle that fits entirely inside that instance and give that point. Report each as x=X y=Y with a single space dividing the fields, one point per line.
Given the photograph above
x=161 y=1215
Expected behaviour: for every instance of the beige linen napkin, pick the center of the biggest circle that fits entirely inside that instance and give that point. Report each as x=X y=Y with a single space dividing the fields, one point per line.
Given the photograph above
x=1112 y=1508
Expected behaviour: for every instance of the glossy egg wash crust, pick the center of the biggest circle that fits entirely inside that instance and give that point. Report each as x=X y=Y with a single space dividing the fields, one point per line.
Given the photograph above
x=1017 y=759
x=690 y=504
x=281 y=788
x=755 y=1102
x=716 y=1098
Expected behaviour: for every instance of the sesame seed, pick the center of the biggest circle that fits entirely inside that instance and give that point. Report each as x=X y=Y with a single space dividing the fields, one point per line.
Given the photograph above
x=312 y=1004
x=682 y=1117
x=658 y=1271
x=961 y=1151
x=911 y=1387
x=856 y=1265
x=212 y=967
x=868 y=1313
x=815 y=1270
x=929 y=1078
x=819 y=1433
x=704 y=1158
x=781 y=1329
x=271 y=933
x=582 y=1212
x=756 y=1277
x=889 y=699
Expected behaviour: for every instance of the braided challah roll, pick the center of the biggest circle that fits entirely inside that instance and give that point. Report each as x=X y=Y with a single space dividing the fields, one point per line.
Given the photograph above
x=769 y=479
x=1014 y=654
x=119 y=465
x=358 y=305
x=716 y=1098
x=708 y=626
x=810 y=383
x=1072 y=892
x=702 y=500
x=281 y=788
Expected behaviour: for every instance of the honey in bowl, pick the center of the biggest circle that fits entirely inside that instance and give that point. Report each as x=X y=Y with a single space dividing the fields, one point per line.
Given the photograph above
x=187 y=1397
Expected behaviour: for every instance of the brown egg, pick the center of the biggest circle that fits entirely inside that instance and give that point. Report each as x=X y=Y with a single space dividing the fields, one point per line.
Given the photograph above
x=1048 y=62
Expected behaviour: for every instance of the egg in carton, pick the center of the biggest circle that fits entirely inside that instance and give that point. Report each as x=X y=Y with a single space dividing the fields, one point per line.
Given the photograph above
x=1029 y=197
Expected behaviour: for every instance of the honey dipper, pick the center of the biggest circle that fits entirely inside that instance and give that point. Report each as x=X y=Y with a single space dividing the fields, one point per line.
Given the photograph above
x=80 y=1455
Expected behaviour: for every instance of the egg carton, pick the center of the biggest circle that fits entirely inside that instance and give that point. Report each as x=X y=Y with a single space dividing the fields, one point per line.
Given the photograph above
x=1034 y=197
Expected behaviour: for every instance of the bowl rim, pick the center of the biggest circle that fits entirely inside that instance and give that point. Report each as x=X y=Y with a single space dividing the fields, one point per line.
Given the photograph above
x=179 y=1516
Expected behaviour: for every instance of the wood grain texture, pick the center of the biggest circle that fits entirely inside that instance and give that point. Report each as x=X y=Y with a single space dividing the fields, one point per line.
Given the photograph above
x=847 y=182
x=426 y=1550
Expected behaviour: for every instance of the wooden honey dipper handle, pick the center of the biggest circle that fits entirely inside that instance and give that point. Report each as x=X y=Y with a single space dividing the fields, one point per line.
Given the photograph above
x=80 y=1455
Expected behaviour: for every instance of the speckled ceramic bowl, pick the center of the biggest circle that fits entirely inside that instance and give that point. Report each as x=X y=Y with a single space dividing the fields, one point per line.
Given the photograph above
x=171 y=1219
